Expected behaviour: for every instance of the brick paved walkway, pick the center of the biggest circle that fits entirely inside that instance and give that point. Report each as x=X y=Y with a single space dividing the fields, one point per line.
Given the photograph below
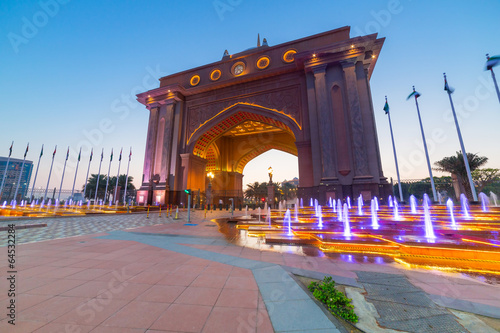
x=160 y=275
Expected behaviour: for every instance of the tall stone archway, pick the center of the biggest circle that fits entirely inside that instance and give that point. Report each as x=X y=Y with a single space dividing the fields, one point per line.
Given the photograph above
x=310 y=97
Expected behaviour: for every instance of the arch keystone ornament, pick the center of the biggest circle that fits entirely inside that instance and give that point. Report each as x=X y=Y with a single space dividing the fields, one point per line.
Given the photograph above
x=309 y=97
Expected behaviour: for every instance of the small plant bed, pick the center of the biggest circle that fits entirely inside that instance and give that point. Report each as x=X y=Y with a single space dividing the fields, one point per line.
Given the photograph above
x=336 y=301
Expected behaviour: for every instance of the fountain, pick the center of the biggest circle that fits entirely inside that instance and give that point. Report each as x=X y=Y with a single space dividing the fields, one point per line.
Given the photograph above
x=311 y=202
x=389 y=201
x=449 y=204
x=374 y=218
x=427 y=200
x=32 y=204
x=494 y=198
x=246 y=210
x=268 y=217
x=397 y=217
x=301 y=203
x=258 y=213
x=296 y=213
x=465 y=206
x=288 y=220
x=485 y=202
x=413 y=204
x=360 y=205
x=13 y=204
x=448 y=243
x=376 y=204
x=440 y=198
x=349 y=202
x=265 y=207
x=4 y=204
x=88 y=204
x=339 y=210
x=347 y=226
x=429 y=230
x=334 y=205
x=320 y=218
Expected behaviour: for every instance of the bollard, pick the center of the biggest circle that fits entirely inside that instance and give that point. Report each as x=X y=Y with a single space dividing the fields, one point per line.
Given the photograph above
x=147 y=215
x=160 y=212
x=176 y=213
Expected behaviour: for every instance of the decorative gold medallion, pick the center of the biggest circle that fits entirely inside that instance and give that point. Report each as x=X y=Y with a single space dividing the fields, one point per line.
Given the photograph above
x=238 y=68
x=195 y=79
x=289 y=55
x=215 y=74
x=263 y=62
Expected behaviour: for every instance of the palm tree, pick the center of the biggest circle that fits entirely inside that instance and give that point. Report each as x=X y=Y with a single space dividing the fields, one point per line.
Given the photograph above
x=102 y=184
x=456 y=166
x=289 y=190
x=254 y=191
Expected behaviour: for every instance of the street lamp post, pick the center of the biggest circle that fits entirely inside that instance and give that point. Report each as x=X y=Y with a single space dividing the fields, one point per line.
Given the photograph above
x=270 y=188
x=210 y=176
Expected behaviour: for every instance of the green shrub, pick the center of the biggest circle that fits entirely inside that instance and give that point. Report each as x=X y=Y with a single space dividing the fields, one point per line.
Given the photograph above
x=336 y=302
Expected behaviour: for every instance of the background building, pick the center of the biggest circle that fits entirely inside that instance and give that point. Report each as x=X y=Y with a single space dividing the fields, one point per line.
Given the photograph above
x=12 y=176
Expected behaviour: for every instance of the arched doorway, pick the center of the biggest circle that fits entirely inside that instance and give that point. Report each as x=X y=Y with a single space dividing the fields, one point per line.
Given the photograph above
x=224 y=145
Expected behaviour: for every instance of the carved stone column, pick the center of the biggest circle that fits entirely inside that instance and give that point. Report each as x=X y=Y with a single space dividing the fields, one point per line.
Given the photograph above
x=324 y=124
x=150 y=143
x=166 y=145
x=359 y=148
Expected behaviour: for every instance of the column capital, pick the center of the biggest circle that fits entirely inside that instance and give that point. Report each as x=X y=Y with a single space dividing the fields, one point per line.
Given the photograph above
x=319 y=69
x=348 y=63
x=153 y=106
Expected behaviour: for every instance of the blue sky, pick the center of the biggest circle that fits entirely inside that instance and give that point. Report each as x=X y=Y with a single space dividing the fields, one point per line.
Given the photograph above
x=71 y=69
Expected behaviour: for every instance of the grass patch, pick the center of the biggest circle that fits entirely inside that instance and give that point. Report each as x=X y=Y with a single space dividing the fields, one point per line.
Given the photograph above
x=336 y=301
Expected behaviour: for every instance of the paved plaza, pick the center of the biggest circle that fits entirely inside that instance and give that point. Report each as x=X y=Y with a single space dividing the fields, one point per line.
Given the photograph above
x=128 y=273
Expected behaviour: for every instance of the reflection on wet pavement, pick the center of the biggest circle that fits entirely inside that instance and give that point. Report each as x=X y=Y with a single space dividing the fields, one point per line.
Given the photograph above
x=237 y=236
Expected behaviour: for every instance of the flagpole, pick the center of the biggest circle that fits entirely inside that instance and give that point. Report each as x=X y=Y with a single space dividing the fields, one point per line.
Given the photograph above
x=62 y=178
x=21 y=173
x=462 y=146
x=5 y=171
x=494 y=78
x=126 y=178
x=50 y=172
x=98 y=175
x=76 y=172
x=425 y=147
x=107 y=179
x=88 y=169
x=36 y=173
x=394 y=150
x=118 y=175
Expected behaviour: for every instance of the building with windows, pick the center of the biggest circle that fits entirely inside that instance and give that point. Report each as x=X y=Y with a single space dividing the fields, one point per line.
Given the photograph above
x=12 y=178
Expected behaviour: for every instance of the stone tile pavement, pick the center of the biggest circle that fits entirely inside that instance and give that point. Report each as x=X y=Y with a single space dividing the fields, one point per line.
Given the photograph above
x=126 y=273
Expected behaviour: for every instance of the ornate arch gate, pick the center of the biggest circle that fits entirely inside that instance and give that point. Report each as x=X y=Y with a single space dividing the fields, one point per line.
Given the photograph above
x=309 y=97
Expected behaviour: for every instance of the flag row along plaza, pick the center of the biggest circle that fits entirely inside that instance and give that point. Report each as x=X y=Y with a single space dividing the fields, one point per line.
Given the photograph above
x=37 y=202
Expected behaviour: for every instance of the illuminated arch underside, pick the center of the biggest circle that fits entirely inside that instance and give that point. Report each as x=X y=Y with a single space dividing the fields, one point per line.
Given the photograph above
x=240 y=165
x=201 y=147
